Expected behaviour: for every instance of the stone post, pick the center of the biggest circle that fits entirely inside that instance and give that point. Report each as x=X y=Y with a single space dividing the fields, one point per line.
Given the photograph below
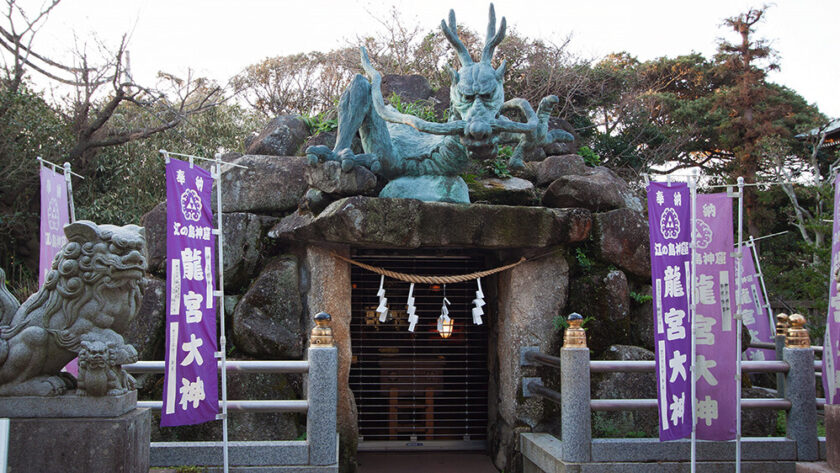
x=801 y=391
x=574 y=372
x=781 y=332
x=322 y=394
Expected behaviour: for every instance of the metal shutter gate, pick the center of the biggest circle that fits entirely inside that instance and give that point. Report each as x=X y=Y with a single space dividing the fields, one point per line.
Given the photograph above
x=418 y=391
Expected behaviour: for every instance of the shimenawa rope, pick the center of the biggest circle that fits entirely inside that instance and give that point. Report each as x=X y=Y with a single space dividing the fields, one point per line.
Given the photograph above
x=417 y=279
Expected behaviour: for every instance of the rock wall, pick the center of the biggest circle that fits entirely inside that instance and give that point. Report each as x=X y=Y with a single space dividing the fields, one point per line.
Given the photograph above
x=529 y=296
x=583 y=228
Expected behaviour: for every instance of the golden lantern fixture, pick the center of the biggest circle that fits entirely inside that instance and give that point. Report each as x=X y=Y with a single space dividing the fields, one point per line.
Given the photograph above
x=321 y=335
x=574 y=336
x=797 y=334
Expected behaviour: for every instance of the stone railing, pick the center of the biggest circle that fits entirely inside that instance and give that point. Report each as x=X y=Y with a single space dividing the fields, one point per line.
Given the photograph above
x=317 y=454
x=578 y=451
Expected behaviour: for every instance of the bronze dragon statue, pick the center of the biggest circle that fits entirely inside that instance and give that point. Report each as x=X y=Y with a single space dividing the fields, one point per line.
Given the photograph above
x=421 y=159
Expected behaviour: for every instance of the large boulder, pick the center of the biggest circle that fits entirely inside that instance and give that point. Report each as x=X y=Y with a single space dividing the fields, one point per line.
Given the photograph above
x=442 y=101
x=281 y=137
x=621 y=238
x=556 y=149
x=145 y=331
x=410 y=88
x=510 y=191
x=598 y=190
x=267 y=322
x=244 y=426
x=641 y=318
x=555 y=167
x=154 y=221
x=605 y=297
x=244 y=243
x=328 y=177
x=409 y=223
x=529 y=296
x=636 y=423
x=327 y=138
x=271 y=185
x=758 y=422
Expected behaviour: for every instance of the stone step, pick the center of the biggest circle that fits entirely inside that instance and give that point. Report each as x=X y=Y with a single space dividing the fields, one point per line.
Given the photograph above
x=814 y=467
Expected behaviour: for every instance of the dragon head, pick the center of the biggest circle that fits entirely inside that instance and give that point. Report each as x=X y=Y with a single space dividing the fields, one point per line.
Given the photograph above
x=477 y=90
x=477 y=96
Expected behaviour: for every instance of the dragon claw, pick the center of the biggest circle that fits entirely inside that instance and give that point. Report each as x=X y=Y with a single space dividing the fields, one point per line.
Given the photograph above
x=319 y=153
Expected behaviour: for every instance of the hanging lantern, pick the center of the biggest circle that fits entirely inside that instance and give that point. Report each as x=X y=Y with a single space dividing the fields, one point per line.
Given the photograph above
x=444 y=325
x=445 y=328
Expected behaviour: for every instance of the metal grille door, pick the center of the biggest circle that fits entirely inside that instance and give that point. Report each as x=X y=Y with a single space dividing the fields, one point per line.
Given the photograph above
x=418 y=390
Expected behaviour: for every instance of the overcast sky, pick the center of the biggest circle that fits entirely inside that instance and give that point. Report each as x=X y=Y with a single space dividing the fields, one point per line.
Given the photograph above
x=218 y=38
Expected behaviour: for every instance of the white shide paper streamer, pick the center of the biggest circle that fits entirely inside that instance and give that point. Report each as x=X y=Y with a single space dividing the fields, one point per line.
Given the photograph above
x=477 y=311
x=412 y=318
x=444 y=315
x=383 y=301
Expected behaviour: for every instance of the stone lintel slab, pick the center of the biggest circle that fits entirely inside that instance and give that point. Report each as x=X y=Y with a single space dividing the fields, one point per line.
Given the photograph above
x=407 y=223
x=67 y=406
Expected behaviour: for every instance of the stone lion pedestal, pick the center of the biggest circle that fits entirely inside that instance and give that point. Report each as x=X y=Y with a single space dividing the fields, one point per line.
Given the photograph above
x=77 y=434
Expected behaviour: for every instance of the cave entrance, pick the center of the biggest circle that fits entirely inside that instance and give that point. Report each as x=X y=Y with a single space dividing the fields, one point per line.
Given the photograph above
x=420 y=391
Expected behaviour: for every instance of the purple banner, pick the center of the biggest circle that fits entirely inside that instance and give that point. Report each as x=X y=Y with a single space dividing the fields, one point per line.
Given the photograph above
x=190 y=394
x=54 y=216
x=669 y=217
x=715 y=326
x=756 y=314
x=831 y=348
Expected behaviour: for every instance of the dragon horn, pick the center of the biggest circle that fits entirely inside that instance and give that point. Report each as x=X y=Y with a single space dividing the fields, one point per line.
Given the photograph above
x=451 y=33
x=493 y=38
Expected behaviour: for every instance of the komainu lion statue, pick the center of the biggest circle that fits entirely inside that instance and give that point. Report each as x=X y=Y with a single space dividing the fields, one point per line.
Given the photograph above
x=90 y=295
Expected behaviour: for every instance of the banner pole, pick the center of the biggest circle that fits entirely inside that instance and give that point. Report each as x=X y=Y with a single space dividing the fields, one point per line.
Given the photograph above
x=692 y=185
x=67 y=175
x=738 y=320
x=763 y=286
x=221 y=294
